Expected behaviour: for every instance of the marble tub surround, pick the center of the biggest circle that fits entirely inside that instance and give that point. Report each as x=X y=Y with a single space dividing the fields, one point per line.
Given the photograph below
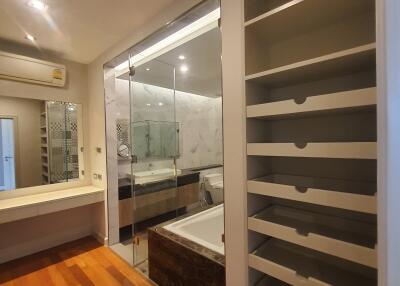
x=175 y=260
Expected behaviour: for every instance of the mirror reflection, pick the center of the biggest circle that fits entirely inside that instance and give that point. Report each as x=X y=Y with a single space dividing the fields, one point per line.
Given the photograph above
x=40 y=142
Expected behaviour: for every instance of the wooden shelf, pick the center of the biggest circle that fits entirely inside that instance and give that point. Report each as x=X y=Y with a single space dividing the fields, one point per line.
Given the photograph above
x=342 y=150
x=343 y=62
x=344 y=194
x=297 y=265
x=353 y=99
x=350 y=240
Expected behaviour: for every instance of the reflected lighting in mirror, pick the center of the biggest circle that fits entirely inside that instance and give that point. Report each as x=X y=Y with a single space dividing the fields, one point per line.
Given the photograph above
x=30 y=38
x=184 y=68
x=38 y=5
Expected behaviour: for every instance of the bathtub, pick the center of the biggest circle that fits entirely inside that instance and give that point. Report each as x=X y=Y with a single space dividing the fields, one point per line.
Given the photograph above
x=205 y=228
x=188 y=251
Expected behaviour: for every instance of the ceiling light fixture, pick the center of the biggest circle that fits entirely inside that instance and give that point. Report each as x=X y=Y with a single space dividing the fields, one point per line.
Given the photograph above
x=148 y=69
x=148 y=104
x=30 y=38
x=184 y=68
x=181 y=57
x=198 y=27
x=38 y=5
x=160 y=104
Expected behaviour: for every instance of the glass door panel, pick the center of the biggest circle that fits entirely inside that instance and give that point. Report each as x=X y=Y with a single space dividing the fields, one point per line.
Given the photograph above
x=154 y=137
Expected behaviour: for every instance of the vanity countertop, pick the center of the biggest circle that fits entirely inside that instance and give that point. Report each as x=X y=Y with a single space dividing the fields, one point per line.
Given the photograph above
x=149 y=186
x=16 y=208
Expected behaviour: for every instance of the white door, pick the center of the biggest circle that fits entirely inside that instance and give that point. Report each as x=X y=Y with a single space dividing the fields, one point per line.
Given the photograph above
x=7 y=165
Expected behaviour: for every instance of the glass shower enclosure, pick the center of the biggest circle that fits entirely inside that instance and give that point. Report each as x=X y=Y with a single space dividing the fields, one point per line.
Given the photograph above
x=154 y=137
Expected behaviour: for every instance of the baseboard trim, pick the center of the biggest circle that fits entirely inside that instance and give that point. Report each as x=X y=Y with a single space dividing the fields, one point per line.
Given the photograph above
x=100 y=237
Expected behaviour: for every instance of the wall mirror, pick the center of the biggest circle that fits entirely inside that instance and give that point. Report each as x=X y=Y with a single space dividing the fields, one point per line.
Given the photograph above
x=41 y=142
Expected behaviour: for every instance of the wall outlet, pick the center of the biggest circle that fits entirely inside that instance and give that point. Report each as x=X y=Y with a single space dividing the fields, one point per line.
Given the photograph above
x=97 y=176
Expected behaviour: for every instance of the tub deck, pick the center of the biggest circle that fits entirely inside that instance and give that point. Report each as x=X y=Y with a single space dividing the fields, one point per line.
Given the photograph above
x=177 y=260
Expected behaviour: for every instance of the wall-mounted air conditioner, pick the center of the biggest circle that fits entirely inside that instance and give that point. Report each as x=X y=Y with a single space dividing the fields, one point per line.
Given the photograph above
x=16 y=67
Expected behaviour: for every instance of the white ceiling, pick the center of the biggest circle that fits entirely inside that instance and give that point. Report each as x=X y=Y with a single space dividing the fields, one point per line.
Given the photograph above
x=77 y=30
x=203 y=58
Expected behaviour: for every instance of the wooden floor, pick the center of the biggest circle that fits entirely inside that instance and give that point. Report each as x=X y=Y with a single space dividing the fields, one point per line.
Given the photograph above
x=82 y=262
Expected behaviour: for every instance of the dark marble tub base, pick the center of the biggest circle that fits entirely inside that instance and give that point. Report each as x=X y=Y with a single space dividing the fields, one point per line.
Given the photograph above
x=174 y=263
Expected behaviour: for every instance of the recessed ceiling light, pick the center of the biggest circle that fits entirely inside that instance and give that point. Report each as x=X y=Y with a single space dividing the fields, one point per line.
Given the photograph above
x=38 y=5
x=184 y=68
x=148 y=104
x=148 y=69
x=30 y=38
x=160 y=104
x=182 y=57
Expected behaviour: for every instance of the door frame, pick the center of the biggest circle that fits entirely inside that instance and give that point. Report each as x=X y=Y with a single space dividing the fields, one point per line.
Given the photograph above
x=16 y=147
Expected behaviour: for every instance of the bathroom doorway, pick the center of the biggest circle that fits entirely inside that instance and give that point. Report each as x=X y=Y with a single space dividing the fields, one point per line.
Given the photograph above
x=164 y=134
x=7 y=154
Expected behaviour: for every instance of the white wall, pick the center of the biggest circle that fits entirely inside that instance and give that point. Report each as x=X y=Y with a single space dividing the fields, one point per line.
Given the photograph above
x=388 y=62
x=234 y=142
x=1 y=161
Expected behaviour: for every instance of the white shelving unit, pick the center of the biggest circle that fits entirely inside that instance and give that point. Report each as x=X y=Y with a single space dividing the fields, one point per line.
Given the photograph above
x=286 y=14
x=344 y=150
x=330 y=235
x=311 y=188
x=44 y=144
x=351 y=60
x=320 y=191
x=287 y=262
x=346 y=100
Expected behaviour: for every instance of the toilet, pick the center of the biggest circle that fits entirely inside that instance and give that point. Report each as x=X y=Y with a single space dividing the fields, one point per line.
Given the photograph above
x=214 y=184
